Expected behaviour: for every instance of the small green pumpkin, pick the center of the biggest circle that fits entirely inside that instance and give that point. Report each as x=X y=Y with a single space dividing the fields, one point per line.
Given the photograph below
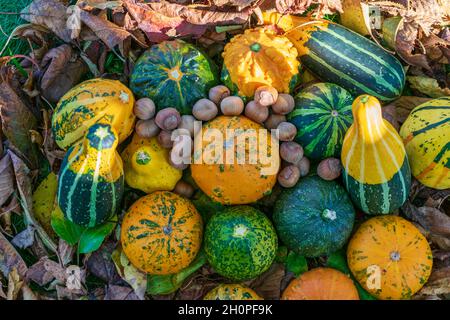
x=174 y=74
x=91 y=180
x=240 y=242
x=315 y=217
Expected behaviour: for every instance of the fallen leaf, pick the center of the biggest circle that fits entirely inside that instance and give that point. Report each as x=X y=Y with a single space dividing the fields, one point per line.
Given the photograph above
x=51 y=14
x=134 y=277
x=115 y=292
x=318 y=8
x=45 y=270
x=14 y=284
x=27 y=293
x=438 y=283
x=6 y=179
x=25 y=238
x=268 y=285
x=43 y=202
x=432 y=220
x=101 y=265
x=17 y=121
x=10 y=258
x=404 y=105
x=428 y=86
x=63 y=70
x=355 y=16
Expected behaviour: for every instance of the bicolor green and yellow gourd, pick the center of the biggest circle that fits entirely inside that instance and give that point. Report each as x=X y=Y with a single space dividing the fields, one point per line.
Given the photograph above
x=259 y=57
x=174 y=74
x=147 y=167
x=90 y=181
x=375 y=165
x=231 y=292
x=341 y=56
x=93 y=101
x=426 y=135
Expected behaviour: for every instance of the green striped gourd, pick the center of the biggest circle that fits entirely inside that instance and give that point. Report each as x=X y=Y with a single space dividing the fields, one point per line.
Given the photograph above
x=240 y=242
x=322 y=115
x=426 y=135
x=174 y=74
x=91 y=182
x=376 y=169
x=341 y=56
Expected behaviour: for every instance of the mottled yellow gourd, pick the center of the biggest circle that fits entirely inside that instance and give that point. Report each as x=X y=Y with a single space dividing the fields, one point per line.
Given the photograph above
x=260 y=57
x=426 y=135
x=93 y=101
x=147 y=167
x=376 y=169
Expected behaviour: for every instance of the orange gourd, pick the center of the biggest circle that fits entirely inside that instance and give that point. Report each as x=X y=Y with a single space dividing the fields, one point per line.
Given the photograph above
x=161 y=233
x=228 y=176
x=321 y=284
x=389 y=257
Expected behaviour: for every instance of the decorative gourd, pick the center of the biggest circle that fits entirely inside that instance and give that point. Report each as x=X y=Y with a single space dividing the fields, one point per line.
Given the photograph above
x=315 y=217
x=321 y=284
x=234 y=180
x=147 y=167
x=389 y=257
x=90 y=181
x=322 y=115
x=173 y=74
x=375 y=166
x=93 y=101
x=342 y=56
x=240 y=242
x=426 y=135
x=161 y=233
x=231 y=292
x=259 y=57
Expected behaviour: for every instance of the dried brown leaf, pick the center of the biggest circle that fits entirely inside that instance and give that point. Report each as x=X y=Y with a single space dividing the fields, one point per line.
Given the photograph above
x=28 y=294
x=268 y=285
x=101 y=265
x=322 y=7
x=438 y=283
x=51 y=14
x=14 y=284
x=17 y=121
x=25 y=238
x=10 y=258
x=404 y=105
x=63 y=71
x=433 y=220
x=115 y=292
x=6 y=179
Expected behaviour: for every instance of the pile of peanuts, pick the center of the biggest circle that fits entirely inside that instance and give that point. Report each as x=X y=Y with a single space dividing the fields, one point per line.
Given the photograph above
x=269 y=108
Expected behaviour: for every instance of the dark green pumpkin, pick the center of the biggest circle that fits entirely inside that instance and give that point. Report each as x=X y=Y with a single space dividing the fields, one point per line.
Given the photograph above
x=91 y=181
x=322 y=115
x=173 y=74
x=315 y=217
x=240 y=242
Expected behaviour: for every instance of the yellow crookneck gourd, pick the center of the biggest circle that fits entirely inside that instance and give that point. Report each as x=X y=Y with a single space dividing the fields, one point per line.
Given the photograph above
x=147 y=167
x=260 y=57
x=426 y=135
x=376 y=169
x=90 y=182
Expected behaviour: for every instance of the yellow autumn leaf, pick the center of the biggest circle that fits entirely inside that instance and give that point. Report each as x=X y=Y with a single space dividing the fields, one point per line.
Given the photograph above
x=43 y=202
x=428 y=86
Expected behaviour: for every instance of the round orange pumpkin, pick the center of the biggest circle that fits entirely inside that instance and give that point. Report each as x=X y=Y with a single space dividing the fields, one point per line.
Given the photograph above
x=232 y=175
x=321 y=284
x=389 y=257
x=231 y=292
x=161 y=233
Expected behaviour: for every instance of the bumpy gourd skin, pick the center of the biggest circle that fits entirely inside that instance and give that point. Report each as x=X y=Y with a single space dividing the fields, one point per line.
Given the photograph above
x=234 y=182
x=161 y=233
x=389 y=257
x=321 y=284
x=231 y=292
x=426 y=135
x=260 y=57
x=147 y=167
x=376 y=169
x=90 y=182
x=93 y=101
x=240 y=242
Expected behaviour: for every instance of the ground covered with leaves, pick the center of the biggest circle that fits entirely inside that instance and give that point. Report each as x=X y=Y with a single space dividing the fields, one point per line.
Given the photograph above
x=41 y=59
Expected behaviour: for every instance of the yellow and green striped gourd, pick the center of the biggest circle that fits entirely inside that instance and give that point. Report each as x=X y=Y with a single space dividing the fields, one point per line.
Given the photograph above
x=426 y=135
x=376 y=169
x=91 y=182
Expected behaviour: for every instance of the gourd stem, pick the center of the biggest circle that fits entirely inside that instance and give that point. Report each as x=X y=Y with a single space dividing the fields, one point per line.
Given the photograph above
x=329 y=214
x=255 y=47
